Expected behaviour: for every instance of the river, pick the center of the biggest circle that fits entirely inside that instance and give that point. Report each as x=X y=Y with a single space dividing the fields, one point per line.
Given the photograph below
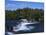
x=23 y=26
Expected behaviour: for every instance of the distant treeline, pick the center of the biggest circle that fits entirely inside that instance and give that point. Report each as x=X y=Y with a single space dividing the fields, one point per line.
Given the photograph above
x=26 y=13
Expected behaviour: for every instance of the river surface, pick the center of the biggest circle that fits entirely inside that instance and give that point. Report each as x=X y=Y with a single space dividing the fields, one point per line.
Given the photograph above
x=23 y=26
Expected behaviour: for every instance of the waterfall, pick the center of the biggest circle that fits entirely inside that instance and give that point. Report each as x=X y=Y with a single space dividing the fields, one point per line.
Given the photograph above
x=22 y=26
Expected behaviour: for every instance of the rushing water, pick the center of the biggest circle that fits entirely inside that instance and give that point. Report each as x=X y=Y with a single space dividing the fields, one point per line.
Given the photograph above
x=24 y=26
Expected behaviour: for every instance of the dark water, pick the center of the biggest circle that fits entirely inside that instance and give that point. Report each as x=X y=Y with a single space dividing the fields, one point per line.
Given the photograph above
x=39 y=27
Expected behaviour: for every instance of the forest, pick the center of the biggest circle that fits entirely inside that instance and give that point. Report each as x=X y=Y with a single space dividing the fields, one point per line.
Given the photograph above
x=25 y=13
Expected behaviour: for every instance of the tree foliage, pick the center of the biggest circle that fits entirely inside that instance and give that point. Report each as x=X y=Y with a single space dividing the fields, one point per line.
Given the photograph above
x=26 y=13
